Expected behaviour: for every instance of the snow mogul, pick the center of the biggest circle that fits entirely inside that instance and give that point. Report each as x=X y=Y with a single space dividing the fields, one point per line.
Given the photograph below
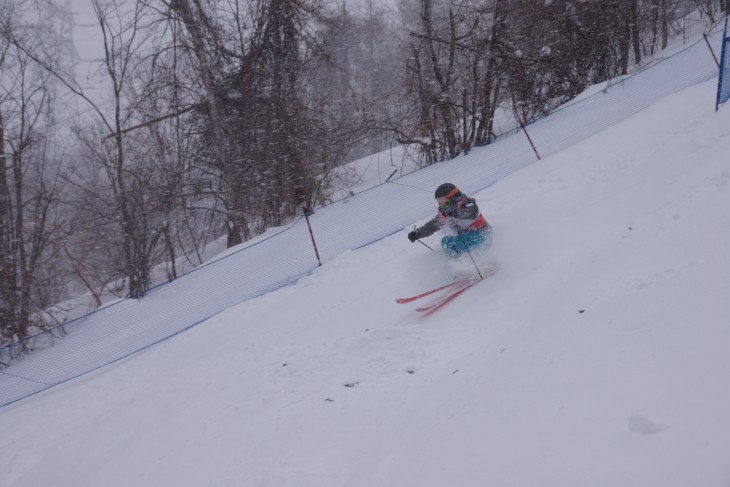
x=459 y=216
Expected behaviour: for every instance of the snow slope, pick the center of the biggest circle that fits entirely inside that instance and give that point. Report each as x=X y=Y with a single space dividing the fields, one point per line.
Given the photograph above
x=597 y=355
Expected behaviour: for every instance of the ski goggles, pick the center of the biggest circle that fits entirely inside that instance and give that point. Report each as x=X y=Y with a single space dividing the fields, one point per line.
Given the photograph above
x=442 y=200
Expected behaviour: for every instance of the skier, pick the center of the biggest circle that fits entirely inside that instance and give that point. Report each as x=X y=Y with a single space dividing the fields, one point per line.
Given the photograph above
x=459 y=216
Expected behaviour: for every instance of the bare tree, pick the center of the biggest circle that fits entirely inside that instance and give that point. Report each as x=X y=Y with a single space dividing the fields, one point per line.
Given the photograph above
x=30 y=186
x=455 y=77
x=206 y=46
x=269 y=134
x=122 y=37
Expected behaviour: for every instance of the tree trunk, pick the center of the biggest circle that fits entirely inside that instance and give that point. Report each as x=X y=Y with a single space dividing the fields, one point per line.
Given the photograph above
x=633 y=21
x=8 y=276
x=442 y=101
x=234 y=213
x=22 y=297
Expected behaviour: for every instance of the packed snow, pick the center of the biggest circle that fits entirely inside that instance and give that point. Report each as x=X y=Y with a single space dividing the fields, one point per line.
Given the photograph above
x=596 y=356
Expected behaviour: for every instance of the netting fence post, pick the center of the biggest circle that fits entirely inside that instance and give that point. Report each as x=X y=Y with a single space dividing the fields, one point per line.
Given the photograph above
x=529 y=139
x=711 y=51
x=723 y=79
x=307 y=213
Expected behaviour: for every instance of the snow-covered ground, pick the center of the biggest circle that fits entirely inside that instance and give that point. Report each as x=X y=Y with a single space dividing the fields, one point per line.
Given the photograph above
x=596 y=356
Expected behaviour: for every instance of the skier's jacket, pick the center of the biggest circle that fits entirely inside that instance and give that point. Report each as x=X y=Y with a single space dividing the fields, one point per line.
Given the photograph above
x=459 y=215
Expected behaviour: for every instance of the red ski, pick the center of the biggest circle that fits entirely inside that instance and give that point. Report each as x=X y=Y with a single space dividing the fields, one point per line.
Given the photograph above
x=455 y=288
x=432 y=291
x=427 y=310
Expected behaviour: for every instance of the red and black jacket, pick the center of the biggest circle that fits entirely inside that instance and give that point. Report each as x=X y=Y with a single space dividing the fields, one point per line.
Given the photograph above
x=459 y=214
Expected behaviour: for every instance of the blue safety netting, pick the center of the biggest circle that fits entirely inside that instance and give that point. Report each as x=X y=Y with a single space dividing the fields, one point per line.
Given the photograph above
x=129 y=326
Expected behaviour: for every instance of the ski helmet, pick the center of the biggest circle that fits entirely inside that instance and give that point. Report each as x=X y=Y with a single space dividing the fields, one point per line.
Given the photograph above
x=445 y=192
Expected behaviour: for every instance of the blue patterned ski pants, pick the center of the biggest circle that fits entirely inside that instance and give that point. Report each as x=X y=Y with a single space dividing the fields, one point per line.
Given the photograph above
x=456 y=245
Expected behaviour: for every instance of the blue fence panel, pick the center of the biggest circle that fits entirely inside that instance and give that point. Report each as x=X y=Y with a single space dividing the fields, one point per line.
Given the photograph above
x=122 y=329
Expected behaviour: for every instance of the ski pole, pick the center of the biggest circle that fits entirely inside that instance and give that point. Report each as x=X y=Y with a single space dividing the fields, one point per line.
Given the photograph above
x=426 y=245
x=422 y=243
x=463 y=242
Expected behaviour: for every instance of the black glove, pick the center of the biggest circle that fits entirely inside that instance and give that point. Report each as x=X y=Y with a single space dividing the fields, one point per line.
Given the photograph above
x=413 y=236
